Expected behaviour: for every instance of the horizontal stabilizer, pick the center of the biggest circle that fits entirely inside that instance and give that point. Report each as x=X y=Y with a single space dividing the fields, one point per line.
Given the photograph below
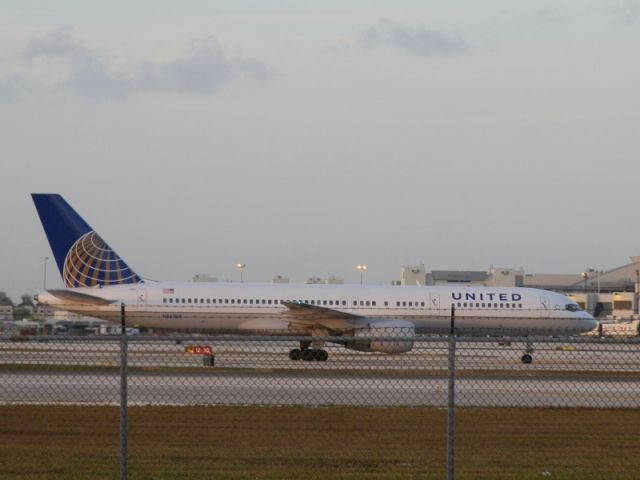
x=80 y=298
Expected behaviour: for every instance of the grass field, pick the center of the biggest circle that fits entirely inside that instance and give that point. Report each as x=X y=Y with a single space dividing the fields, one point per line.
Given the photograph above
x=67 y=442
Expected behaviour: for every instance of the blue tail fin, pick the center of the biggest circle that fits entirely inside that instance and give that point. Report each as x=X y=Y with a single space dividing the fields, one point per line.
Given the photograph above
x=83 y=258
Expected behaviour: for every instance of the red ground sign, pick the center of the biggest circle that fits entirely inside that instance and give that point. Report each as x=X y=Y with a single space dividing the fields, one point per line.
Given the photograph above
x=199 y=350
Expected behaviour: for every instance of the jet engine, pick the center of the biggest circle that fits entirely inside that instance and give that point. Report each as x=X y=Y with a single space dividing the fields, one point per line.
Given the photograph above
x=389 y=330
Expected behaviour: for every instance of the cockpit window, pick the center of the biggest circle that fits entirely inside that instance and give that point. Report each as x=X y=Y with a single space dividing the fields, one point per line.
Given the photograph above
x=572 y=307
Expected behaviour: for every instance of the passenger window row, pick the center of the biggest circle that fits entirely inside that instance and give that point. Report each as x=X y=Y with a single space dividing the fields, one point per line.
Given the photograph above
x=226 y=301
x=488 y=305
x=409 y=304
x=330 y=303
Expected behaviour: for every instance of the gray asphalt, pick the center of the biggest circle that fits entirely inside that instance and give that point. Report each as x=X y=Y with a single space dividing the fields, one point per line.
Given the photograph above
x=259 y=373
x=548 y=356
x=220 y=388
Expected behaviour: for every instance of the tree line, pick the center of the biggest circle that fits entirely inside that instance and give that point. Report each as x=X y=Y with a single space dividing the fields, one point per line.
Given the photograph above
x=26 y=299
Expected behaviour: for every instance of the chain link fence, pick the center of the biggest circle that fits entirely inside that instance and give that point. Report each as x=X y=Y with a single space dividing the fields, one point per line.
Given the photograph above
x=238 y=406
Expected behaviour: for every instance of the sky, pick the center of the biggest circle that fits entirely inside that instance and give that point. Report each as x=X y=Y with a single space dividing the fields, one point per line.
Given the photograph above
x=303 y=138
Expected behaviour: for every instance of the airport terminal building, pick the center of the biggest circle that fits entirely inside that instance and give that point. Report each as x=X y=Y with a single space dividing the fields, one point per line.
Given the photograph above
x=606 y=294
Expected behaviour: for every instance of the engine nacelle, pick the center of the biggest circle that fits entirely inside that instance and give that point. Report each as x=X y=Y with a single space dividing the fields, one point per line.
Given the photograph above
x=401 y=329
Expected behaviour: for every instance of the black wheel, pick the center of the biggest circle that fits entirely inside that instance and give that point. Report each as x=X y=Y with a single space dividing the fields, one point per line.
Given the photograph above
x=295 y=354
x=322 y=355
x=526 y=358
x=308 y=355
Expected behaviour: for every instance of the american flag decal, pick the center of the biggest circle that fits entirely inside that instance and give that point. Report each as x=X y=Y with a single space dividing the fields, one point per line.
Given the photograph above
x=168 y=291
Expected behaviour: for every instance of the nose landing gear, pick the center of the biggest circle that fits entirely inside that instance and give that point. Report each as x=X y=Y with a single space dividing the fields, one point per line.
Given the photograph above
x=527 y=358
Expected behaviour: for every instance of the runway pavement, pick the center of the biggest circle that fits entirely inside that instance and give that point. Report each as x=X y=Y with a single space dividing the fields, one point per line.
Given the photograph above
x=430 y=354
x=593 y=374
x=293 y=388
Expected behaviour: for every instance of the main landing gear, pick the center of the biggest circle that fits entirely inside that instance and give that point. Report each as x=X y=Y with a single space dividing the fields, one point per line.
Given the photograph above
x=308 y=354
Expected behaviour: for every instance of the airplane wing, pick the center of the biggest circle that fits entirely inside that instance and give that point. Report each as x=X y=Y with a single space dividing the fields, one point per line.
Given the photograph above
x=305 y=310
x=306 y=315
x=79 y=298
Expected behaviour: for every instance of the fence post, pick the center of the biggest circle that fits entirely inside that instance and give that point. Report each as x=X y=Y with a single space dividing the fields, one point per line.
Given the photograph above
x=451 y=395
x=123 y=395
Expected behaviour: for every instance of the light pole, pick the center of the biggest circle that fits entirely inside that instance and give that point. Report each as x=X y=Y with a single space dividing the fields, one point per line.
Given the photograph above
x=361 y=268
x=241 y=267
x=585 y=277
x=637 y=292
x=44 y=279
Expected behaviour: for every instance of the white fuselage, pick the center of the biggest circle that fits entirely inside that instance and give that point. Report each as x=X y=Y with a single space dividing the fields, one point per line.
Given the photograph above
x=243 y=306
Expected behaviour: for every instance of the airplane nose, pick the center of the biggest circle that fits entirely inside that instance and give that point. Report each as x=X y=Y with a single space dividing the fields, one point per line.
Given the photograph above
x=590 y=323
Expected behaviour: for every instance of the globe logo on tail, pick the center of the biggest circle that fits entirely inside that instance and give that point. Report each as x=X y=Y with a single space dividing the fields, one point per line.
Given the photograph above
x=91 y=262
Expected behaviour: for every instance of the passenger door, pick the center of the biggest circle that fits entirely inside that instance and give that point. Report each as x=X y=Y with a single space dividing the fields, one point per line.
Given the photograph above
x=545 y=306
x=354 y=302
x=141 y=297
x=346 y=303
x=434 y=301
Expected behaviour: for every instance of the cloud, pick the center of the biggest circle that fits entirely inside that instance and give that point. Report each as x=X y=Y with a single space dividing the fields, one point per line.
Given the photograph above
x=418 y=41
x=342 y=47
x=549 y=17
x=14 y=87
x=88 y=70
x=205 y=69
x=628 y=11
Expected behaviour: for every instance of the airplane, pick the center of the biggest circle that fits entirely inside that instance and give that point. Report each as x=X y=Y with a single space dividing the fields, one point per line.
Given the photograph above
x=98 y=281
